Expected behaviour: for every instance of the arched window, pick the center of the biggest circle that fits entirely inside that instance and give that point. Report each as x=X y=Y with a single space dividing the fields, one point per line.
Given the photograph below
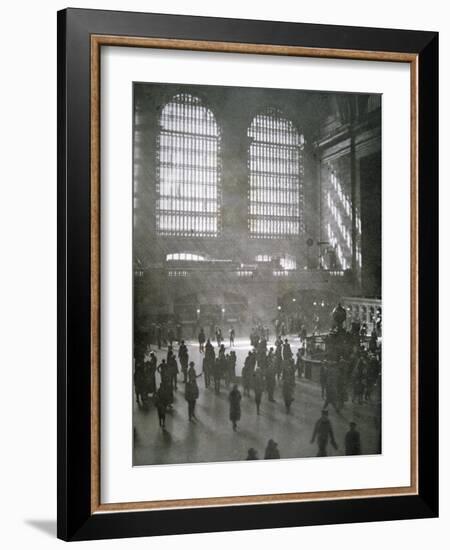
x=188 y=202
x=276 y=174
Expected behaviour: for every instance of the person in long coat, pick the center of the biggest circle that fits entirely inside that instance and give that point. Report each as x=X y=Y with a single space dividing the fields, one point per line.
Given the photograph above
x=209 y=350
x=234 y=399
x=183 y=356
x=261 y=351
x=258 y=387
x=323 y=432
x=164 y=371
x=331 y=389
x=278 y=360
x=159 y=335
x=286 y=351
x=161 y=405
x=173 y=370
x=272 y=451
x=167 y=394
x=201 y=340
x=222 y=358
x=210 y=357
x=352 y=441
x=166 y=383
x=288 y=385
x=191 y=395
x=271 y=374
x=232 y=333
x=206 y=371
x=303 y=335
x=247 y=374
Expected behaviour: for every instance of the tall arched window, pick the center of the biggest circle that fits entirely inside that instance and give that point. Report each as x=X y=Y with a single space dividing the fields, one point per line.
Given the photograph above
x=188 y=202
x=276 y=174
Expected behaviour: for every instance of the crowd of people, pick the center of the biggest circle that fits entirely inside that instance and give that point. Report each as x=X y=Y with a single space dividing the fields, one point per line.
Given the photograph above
x=348 y=371
x=350 y=364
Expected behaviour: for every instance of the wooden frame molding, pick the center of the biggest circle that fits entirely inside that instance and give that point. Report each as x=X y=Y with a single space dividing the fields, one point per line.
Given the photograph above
x=96 y=42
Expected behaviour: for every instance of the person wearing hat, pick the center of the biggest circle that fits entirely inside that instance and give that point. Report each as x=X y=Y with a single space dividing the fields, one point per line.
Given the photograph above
x=323 y=431
x=272 y=451
x=286 y=351
x=352 y=441
x=235 y=406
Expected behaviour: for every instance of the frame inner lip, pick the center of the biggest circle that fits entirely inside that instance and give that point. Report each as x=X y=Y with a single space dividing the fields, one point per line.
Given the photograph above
x=282 y=50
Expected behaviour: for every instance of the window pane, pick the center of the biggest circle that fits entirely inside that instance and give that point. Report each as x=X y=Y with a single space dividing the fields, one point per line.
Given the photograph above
x=189 y=176
x=339 y=228
x=276 y=167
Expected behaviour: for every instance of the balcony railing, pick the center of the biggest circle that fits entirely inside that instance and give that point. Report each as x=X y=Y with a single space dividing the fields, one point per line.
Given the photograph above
x=243 y=273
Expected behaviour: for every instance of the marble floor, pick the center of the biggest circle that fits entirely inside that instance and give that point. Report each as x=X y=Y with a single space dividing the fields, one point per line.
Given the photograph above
x=211 y=438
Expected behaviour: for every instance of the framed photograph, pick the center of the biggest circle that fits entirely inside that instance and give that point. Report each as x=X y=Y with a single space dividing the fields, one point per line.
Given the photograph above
x=248 y=303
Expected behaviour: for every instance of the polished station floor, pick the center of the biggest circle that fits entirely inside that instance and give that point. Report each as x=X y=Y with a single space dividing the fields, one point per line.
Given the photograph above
x=212 y=439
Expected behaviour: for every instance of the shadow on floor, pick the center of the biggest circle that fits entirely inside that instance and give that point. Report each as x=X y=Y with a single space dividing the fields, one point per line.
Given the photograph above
x=46 y=526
